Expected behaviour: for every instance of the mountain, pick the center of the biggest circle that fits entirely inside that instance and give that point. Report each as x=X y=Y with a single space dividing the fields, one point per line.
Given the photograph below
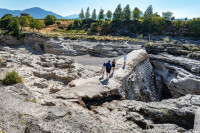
x=74 y=16
x=36 y=12
x=40 y=13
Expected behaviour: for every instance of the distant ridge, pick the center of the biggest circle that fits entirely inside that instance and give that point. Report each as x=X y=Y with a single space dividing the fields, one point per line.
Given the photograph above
x=36 y=12
x=40 y=13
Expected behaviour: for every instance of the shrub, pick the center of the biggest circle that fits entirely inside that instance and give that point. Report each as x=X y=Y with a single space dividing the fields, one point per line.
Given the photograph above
x=70 y=26
x=105 y=27
x=194 y=25
x=93 y=27
x=86 y=27
x=166 y=40
x=15 y=28
x=49 y=20
x=158 y=24
x=1 y=61
x=140 y=36
x=164 y=112
x=58 y=23
x=12 y=78
x=5 y=20
x=77 y=24
x=178 y=24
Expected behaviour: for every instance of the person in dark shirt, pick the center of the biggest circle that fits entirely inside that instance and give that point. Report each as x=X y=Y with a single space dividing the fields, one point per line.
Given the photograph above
x=108 y=68
x=113 y=65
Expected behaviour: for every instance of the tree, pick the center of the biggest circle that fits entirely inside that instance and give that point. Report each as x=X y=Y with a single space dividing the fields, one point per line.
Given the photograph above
x=126 y=15
x=109 y=14
x=93 y=27
x=87 y=14
x=49 y=20
x=94 y=14
x=186 y=19
x=24 y=21
x=15 y=27
x=173 y=18
x=101 y=14
x=158 y=24
x=148 y=13
x=105 y=27
x=81 y=15
x=24 y=14
x=194 y=25
x=77 y=23
x=155 y=15
x=178 y=24
x=33 y=24
x=5 y=21
x=136 y=14
x=167 y=15
x=117 y=15
x=39 y=25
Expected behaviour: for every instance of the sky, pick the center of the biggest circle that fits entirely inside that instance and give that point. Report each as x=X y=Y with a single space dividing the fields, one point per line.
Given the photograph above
x=180 y=8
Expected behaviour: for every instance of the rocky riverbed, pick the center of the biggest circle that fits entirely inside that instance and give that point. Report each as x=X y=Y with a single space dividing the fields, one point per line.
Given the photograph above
x=154 y=93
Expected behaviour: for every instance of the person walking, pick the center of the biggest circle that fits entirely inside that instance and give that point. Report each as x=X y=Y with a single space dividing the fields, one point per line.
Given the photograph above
x=113 y=65
x=108 y=68
x=103 y=69
x=125 y=58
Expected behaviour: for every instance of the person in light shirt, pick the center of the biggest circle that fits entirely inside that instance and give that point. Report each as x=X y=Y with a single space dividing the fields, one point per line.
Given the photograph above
x=125 y=59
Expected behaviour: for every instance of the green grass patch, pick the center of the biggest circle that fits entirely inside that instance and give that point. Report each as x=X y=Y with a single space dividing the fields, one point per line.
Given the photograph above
x=71 y=32
x=12 y=78
x=78 y=36
x=164 y=112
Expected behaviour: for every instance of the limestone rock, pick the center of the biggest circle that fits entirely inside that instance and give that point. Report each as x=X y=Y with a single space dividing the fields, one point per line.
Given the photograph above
x=37 y=47
x=179 y=75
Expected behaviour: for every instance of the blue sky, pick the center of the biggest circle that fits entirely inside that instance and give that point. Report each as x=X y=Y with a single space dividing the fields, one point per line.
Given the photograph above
x=180 y=8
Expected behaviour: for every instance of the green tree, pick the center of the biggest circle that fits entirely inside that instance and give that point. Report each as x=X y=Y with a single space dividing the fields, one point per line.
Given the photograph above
x=93 y=27
x=167 y=15
x=5 y=21
x=81 y=15
x=24 y=14
x=155 y=15
x=94 y=14
x=194 y=25
x=178 y=24
x=15 y=27
x=173 y=18
x=24 y=21
x=101 y=14
x=126 y=15
x=117 y=15
x=148 y=13
x=186 y=19
x=49 y=20
x=109 y=14
x=33 y=24
x=158 y=24
x=136 y=13
x=39 y=25
x=105 y=27
x=77 y=23
x=87 y=14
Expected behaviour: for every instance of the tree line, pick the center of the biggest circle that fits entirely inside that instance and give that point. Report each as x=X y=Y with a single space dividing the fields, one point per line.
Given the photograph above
x=123 y=14
x=134 y=21
x=14 y=25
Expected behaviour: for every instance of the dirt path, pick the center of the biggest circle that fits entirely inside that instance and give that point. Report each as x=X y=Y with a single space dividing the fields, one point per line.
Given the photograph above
x=91 y=60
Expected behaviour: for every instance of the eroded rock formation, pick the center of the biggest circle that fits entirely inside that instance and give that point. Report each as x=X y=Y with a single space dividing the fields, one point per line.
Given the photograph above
x=57 y=90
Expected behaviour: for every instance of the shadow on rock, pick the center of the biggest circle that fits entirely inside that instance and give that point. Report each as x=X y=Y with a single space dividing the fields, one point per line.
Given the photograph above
x=104 y=82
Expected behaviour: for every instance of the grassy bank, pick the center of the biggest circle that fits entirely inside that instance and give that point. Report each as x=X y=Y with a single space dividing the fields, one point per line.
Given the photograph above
x=80 y=34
